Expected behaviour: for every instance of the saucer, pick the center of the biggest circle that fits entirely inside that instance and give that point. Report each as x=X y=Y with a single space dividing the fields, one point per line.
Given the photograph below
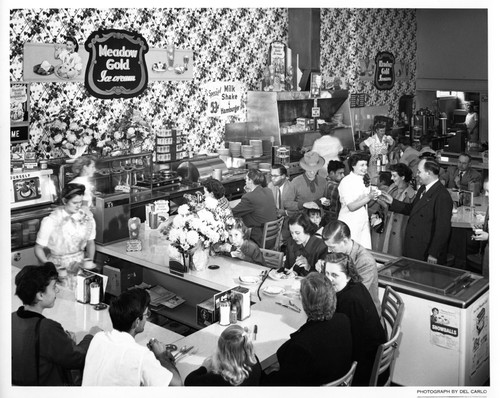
x=273 y=290
x=249 y=280
x=281 y=276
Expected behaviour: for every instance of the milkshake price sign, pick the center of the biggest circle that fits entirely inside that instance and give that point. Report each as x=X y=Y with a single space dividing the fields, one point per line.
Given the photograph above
x=384 y=70
x=223 y=98
x=116 y=67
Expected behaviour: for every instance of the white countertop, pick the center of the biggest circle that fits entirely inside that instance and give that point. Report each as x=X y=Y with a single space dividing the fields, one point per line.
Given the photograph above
x=79 y=318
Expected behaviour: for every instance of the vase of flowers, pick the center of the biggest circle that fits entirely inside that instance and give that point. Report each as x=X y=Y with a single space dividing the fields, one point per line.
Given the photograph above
x=132 y=132
x=66 y=135
x=198 y=225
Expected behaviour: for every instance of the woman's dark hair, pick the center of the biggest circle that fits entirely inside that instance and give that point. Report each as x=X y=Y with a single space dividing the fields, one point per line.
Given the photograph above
x=127 y=307
x=215 y=186
x=355 y=158
x=33 y=279
x=346 y=265
x=257 y=177
x=304 y=221
x=385 y=178
x=81 y=162
x=403 y=171
x=338 y=229
x=71 y=190
x=73 y=40
x=318 y=297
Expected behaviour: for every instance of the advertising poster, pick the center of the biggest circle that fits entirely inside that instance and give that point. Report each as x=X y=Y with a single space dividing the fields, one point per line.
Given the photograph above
x=480 y=334
x=444 y=329
x=223 y=98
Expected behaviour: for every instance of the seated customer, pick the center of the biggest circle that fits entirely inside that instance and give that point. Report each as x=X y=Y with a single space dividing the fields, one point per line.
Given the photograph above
x=355 y=301
x=337 y=237
x=461 y=176
x=215 y=189
x=43 y=353
x=321 y=350
x=256 y=206
x=304 y=249
x=233 y=364
x=115 y=359
x=240 y=245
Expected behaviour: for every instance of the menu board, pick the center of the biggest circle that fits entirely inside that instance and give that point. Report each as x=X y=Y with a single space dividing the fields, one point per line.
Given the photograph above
x=19 y=112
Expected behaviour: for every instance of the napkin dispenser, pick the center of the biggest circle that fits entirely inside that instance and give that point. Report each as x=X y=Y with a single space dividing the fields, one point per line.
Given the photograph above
x=240 y=296
x=84 y=278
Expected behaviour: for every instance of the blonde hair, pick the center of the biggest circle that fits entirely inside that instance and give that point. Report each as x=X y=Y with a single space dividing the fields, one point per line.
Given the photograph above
x=234 y=357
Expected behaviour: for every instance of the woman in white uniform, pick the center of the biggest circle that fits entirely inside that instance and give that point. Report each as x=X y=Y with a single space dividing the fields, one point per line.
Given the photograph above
x=355 y=194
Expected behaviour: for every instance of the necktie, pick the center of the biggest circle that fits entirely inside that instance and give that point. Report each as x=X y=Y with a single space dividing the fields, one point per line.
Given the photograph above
x=279 y=199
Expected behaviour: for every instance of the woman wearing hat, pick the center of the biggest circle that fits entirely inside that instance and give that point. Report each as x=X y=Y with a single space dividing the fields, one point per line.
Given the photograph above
x=355 y=193
x=378 y=143
x=309 y=187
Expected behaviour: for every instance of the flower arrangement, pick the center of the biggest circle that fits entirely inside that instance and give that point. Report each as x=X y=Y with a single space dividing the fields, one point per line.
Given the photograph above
x=197 y=225
x=132 y=132
x=68 y=134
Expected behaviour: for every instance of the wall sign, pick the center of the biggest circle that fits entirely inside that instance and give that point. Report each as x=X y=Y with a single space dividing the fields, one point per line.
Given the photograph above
x=116 y=67
x=223 y=98
x=19 y=112
x=384 y=71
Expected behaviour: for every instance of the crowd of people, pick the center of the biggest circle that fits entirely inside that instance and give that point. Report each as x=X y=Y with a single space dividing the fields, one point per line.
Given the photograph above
x=329 y=225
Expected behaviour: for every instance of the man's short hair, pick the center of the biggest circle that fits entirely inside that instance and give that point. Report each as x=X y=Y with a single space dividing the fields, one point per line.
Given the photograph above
x=431 y=165
x=127 y=307
x=334 y=165
x=33 y=279
x=466 y=155
x=281 y=168
x=256 y=176
x=337 y=229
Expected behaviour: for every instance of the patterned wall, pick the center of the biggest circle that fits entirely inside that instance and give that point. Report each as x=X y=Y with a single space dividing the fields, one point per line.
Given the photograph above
x=229 y=45
x=349 y=35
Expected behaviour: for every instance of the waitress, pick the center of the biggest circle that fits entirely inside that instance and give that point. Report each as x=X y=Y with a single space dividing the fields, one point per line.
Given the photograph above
x=379 y=144
x=84 y=168
x=67 y=235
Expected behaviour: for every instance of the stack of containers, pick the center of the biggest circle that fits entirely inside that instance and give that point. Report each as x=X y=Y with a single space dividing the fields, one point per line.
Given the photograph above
x=246 y=151
x=169 y=145
x=256 y=148
x=235 y=149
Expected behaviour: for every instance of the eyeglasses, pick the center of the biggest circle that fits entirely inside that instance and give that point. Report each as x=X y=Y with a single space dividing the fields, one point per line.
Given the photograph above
x=275 y=175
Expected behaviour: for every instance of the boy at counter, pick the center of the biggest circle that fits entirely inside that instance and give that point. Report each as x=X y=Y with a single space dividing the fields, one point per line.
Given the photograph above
x=115 y=359
x=240 y=245
x=43 y=353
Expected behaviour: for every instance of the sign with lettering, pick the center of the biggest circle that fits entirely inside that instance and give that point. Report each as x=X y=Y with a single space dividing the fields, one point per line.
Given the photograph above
x=19 y=134
x=223 y=98
x=116 y=67
x=384 y=71
x=19 y=112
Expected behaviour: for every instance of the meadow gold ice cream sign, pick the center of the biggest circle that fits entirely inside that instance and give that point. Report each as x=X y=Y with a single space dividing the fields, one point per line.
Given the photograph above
x=116 y=67
x=384 y=71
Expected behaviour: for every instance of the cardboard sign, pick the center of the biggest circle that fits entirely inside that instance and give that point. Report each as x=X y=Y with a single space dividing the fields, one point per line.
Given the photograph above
x=116 y=67
x=224 y=98
x=384 y=71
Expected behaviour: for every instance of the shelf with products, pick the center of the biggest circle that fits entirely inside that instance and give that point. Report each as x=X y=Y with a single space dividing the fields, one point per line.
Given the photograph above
x=169 y=145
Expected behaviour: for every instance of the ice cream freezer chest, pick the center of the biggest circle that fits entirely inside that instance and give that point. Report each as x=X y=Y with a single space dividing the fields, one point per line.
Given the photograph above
x=445 y=324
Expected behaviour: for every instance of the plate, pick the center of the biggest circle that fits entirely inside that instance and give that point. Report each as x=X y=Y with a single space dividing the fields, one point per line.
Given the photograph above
x=43 y=72
x=159 y=68
x=249 y=280
x=273 y=290
x=280 y=276
x=58 y=74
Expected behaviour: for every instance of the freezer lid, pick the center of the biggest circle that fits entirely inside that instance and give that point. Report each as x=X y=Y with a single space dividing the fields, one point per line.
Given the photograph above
x=426 y=276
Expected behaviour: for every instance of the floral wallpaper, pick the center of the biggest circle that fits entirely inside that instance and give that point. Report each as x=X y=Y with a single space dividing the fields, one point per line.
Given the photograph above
x=349 y=35
x=228 y=44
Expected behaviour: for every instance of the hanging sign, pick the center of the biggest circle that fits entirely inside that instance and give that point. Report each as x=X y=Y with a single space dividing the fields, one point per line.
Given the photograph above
x=384 y=71
x=116 y=67
x=19 y=112
x=223 y=98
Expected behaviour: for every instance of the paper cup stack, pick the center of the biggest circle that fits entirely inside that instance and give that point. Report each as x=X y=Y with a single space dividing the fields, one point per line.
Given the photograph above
x=256 y=147
x=235 y=148
x=247 y=151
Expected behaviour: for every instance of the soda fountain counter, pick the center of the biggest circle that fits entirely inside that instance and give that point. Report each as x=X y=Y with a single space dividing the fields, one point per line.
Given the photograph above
x=445 y=325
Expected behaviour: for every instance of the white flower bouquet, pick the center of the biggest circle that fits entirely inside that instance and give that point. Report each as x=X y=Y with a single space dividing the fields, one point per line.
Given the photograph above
x=197 y=225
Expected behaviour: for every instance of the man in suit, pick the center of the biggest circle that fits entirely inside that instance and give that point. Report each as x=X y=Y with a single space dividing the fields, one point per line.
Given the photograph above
x=429 y=223
x=283 y=195
x=255 y=207
x=460 y=177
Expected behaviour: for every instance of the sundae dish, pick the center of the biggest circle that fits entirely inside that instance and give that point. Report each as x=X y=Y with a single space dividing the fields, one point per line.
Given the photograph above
x=45 y=68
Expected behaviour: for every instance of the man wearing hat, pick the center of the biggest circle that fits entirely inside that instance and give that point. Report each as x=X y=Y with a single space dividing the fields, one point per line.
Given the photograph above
x=308 y=187
x=43 y=353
